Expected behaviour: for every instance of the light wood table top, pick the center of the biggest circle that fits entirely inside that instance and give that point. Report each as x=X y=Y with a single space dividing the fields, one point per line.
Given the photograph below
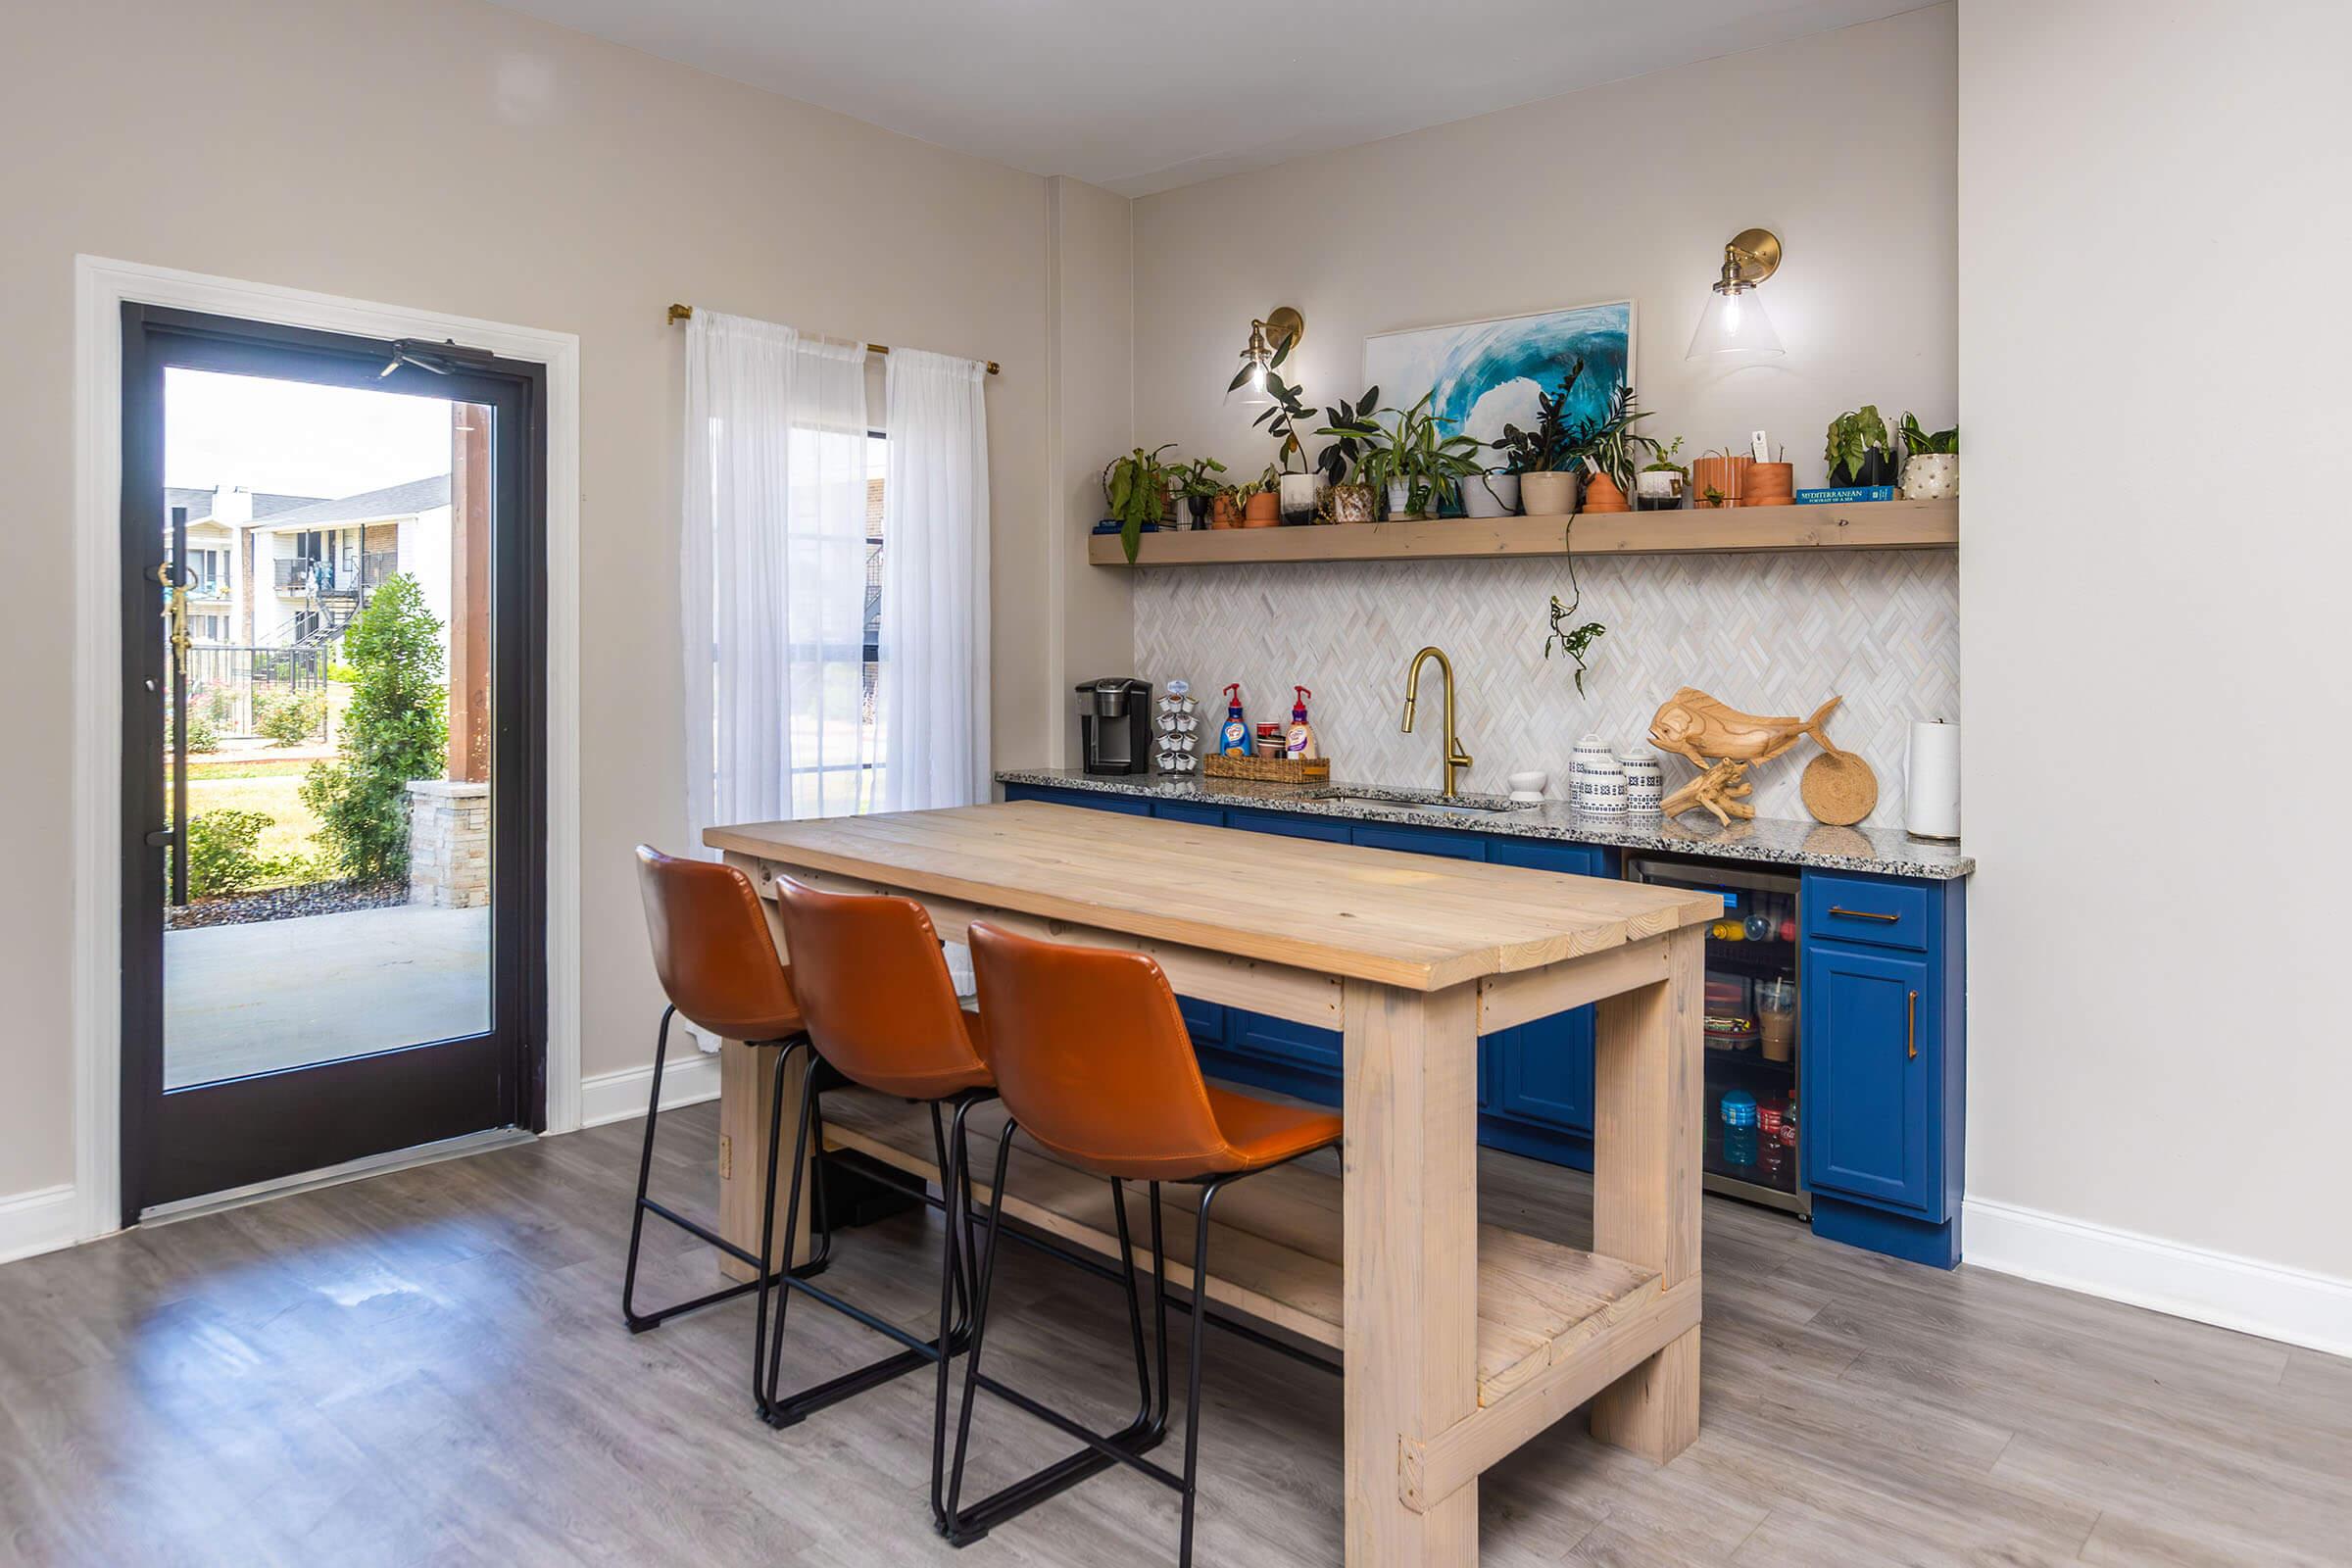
x=1420 y=922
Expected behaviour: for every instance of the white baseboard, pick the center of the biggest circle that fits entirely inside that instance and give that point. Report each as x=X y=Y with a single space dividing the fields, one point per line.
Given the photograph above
x=2313 y=1310
x=691 y=1078
x=39 y=1221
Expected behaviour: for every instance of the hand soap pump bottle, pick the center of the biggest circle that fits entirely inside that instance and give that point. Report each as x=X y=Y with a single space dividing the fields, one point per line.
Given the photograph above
x=1234 y=739
x=1298 y=742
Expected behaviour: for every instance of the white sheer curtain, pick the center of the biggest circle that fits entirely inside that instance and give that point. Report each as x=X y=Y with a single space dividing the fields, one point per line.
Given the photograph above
x=772 y=573
x=934 y=639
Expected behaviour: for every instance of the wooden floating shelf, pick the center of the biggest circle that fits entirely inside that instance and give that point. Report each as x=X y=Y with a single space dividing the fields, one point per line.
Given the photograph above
x=1869 y=525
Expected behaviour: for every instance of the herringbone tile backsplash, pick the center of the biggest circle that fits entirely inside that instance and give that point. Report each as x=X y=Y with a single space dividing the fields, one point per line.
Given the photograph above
x=1767 y=633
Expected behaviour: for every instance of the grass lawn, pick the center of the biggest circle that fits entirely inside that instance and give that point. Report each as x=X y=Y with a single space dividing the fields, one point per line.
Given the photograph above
x=274 y=789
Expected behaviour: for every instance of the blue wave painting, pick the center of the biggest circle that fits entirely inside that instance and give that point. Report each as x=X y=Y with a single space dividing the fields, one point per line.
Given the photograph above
x=1486 y=375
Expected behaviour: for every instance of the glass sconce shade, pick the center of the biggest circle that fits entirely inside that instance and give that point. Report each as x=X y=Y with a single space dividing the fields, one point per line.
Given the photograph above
x=1735 y=322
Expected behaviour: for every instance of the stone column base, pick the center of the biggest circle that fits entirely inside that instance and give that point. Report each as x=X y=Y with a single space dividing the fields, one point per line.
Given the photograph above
x=449 y=844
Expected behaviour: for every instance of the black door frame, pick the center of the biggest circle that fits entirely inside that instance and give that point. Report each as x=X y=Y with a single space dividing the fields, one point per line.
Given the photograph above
x=212 y=1138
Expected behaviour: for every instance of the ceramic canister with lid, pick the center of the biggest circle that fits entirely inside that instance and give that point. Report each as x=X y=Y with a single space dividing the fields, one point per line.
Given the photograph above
x=1645 y=782
x=1598 y=781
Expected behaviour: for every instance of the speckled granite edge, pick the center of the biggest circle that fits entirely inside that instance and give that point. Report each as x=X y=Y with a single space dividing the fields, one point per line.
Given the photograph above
x=1881 y=852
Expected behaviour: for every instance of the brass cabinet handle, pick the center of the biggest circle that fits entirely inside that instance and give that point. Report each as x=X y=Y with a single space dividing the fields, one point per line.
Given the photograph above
x=1863 y=915
x=1911 y=1026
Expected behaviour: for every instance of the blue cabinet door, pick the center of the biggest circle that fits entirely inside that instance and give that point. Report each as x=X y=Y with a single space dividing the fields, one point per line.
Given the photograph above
x=1871 y=1046
x=1542 y=1072
x=1189 y=812
x=1092 y=799
x=1420 y=840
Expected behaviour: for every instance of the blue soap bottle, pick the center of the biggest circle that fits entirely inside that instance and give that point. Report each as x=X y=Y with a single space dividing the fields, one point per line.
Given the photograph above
x=1234 y=739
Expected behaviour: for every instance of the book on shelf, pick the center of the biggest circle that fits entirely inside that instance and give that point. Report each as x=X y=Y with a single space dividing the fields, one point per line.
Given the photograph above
x=1846 y=495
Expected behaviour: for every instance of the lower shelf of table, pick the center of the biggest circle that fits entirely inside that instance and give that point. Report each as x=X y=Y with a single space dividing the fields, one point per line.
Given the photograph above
x=1275 y=1250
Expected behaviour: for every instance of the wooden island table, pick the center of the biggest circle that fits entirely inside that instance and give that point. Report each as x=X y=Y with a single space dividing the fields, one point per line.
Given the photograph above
x=1458 y=1342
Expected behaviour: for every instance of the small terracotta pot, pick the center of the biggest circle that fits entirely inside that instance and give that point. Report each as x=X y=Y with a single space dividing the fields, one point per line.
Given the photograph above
x=1549 y=495
x=1264 y=510
x=1221 y=513
x=1602 y=495
x=1768 y=484
x=1725 y=475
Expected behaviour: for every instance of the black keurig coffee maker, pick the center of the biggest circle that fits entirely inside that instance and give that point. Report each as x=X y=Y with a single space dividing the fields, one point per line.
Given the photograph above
x=1115 y=724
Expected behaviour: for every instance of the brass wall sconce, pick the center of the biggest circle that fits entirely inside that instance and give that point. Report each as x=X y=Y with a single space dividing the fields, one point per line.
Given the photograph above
x=1735 y=322
x=1270 y=339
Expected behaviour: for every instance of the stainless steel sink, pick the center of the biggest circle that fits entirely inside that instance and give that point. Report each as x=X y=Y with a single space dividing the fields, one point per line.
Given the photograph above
x=1382 y=803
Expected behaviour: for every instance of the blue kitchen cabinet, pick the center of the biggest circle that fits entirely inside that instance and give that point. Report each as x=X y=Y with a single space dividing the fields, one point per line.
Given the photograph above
x=1880 y=1021
x=1881 y=1032
x=1537 y=1096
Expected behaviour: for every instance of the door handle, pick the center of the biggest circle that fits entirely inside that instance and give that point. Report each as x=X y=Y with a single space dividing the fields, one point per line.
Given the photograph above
x=1911 y=1026
x=1863 y=915
x=161 y=838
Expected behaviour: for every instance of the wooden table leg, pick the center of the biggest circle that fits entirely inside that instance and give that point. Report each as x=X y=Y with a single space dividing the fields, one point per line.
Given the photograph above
x=746 y=1078
x=1649 y=1097
x=1411 y=1261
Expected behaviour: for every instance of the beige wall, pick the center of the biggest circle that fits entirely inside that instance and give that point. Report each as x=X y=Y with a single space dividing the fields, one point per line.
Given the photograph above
x=449 y=156
x=1840 y=143
x=1089 y=418
x=2154 y=677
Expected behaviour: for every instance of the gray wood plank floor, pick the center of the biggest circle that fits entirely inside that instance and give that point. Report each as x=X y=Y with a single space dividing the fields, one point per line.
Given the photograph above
x=430 y=1367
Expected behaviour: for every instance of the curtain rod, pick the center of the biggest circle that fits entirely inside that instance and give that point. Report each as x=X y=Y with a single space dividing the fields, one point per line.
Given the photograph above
x=681 y=313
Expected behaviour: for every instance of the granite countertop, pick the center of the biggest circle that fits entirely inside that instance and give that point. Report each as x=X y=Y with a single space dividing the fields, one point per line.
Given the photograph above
x=1880 y=851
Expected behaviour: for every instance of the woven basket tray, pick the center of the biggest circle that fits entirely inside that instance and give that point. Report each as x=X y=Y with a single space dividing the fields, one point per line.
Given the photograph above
x=1268 y=769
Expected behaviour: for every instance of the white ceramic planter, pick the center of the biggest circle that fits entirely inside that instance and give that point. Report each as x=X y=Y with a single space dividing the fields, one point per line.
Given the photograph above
x=1932 y=476
x=1490 y=495
x=1547 y=495
x=1297 y=498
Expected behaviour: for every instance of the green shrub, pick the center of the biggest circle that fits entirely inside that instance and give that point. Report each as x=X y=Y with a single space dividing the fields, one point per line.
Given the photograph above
x=395 y=730
x=222 y=857
x=201 y=737
x=289 y=721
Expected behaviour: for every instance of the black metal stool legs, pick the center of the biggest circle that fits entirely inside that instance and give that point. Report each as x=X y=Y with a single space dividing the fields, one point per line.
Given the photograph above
x=780 y=1410
x=637 y=1321
x=962 y=1526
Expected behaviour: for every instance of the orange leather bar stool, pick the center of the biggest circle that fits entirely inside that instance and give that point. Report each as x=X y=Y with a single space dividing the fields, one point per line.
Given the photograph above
x=1095 y=1067
x=882 y=1012
x=720 y=967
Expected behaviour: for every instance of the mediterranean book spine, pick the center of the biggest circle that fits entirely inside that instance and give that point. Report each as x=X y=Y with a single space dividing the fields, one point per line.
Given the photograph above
x=1845 y=495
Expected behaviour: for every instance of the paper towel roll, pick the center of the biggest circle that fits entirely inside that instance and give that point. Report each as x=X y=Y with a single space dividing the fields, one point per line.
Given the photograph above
x=1932 y=781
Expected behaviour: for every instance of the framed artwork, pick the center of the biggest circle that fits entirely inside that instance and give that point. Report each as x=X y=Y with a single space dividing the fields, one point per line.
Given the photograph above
x=1486 y=375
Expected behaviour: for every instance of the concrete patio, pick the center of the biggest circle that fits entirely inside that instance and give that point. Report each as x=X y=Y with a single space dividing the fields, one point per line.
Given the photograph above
x=273 y=994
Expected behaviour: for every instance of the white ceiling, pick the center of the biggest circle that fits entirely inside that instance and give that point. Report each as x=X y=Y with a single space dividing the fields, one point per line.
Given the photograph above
x=1145 y=97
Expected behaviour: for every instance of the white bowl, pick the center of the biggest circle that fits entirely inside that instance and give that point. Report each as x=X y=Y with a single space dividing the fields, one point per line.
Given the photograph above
x=1526 y=785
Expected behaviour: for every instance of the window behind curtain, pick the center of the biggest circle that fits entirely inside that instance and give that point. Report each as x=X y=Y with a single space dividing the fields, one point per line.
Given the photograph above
x=845 y=774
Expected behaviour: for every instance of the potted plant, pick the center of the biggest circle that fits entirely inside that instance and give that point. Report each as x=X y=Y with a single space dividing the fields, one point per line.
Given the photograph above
x=1412 y=458
x=1658 y=486
x=1258 y=504
x=1859 y=450
x=1283 y=420
x=1192 y=484
x=1932 y=466
x=1137 y=488
x=1719 y=477
x=1546 y=471
x=1611 y=449
x=1347 y=498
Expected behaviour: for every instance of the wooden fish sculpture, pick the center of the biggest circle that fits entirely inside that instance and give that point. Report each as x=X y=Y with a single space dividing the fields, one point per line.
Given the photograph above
x=1692 y=724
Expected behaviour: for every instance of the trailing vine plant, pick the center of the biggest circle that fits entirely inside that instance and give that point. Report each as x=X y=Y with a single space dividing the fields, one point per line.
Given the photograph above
x=1572 y=639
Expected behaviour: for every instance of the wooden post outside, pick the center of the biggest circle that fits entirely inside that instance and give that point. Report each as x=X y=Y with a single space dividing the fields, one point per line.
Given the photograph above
x=1647 y=1146
x=469 y=749
x=1411 y=1263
